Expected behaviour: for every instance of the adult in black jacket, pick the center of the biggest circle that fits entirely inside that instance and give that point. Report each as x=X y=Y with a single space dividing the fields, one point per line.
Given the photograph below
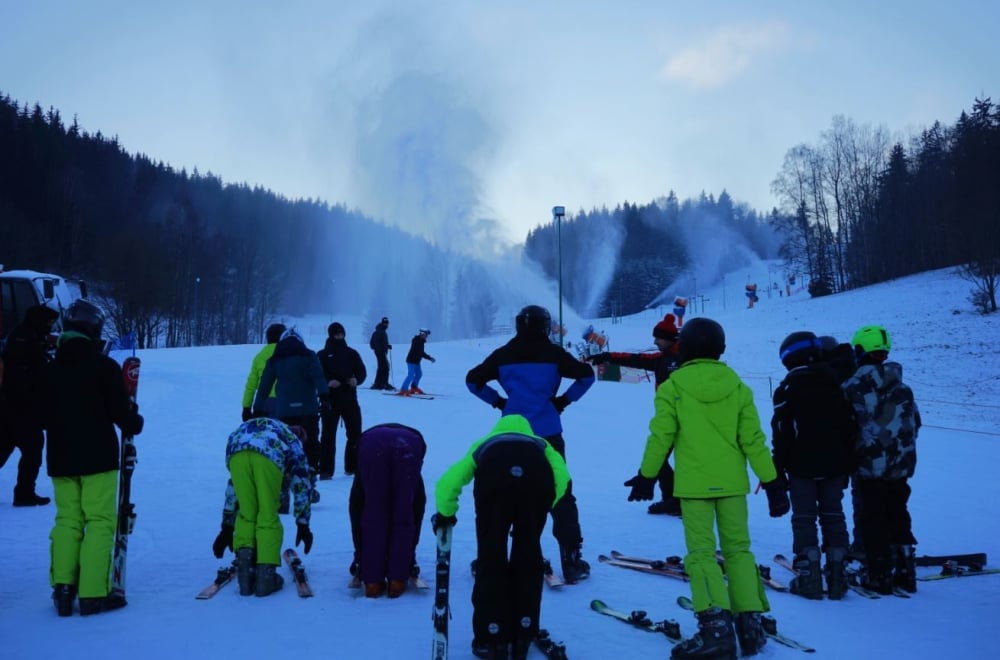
x=379 y=343
x=85 y=398
x=344 y=372
x=24 y=361
x=813 y=430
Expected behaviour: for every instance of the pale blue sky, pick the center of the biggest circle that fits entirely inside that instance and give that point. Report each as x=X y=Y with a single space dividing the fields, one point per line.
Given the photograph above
x=432 y=113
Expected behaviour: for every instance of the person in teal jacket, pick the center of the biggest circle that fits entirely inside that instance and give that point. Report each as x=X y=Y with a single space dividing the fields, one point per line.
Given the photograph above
x=272 y=335
x=519 y=478
x=706 y=415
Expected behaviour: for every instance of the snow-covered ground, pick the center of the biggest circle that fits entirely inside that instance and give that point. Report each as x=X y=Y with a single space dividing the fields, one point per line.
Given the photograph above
x=191 y=401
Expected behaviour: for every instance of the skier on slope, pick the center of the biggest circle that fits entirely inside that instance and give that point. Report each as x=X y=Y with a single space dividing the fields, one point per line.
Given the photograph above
x=344 y=371
x=85 y=398
x=519 y=478
x=264 y=457
x=413 y=371
x=379 y=343
x=387 y=504
x=707 y=414
x=272 y=335
x=530 y=369
x=812 y=435
x=886 y=455
x=662 y=363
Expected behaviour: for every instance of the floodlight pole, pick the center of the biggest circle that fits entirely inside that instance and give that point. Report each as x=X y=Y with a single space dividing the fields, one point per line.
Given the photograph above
x=557 y=213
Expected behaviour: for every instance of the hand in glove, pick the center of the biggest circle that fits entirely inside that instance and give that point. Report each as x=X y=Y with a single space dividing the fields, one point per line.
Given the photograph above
x=560 y=402
x=303 y=536
x=439 y=521
x=222 y=541
x=137 y=423
x=642 y=488
x=500 y=403
x=778 y=503
x=247 y=414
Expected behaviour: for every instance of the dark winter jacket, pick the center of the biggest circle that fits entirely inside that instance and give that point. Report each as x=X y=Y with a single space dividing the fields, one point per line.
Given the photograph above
x=379 y=341
x=660 y=363
x=24 y=359
x=417 y=350
x=341 y=362
x=296 y=373
x=530 y=369
x=813 y=427
x=888 y=421
x=84 y=399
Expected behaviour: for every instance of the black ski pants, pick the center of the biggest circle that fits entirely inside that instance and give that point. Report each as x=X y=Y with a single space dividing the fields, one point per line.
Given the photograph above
x=30 y=440
x=565 y=515
x=514 y=489
x=350 y=412
x=822 y=500
x=381 y=370
x=311 y=446
x=885 y=520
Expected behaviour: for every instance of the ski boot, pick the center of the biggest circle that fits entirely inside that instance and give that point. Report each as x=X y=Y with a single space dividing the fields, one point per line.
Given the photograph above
x=574 y=568
x=268 y=581
x=670 y=506
x=396 y=588
x=490 y=650
x=374 y=589
x=715 y=638
x=30 y=498
x=905 y=574
x=836 y=584
x=107 y=603
x=809 y=581
x=245 y=570
x=749 y=633
x=64 y=595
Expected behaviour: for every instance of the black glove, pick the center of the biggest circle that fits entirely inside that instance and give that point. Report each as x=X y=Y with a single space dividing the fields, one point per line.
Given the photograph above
x=222 y=541
x=642 y=488
x=303 y=536
x=500 y=403
x=439 y=522
x=778 y=503
x=600 y=358
x=137 y=423
x=247 y=414
x=560 y=402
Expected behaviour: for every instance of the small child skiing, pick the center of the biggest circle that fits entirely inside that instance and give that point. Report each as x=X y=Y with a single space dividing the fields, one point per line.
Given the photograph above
x=706 y=414
x=519 y=477
x=812 y=435
x=413 y=371
x=886 y=455
x=264 y=456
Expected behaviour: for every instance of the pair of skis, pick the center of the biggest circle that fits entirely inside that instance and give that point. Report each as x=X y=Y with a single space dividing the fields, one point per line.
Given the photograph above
x=126 y=467
x=851 y=579
x=673 y=567
x=228 y=573
x=409 y=395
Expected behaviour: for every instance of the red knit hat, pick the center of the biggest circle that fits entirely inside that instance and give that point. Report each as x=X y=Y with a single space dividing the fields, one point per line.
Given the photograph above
x=666 y=329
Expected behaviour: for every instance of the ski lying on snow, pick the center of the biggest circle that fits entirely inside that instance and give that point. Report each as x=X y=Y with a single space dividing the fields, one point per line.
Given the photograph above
x=224 y=577
x=782 y=560
x=409 y=396
x=762 y=569
x=552 y=578
x=975 y=561
x=298 y=573
x=954 y=570
x=644 y=568
x=768 y=623
x=638 y=619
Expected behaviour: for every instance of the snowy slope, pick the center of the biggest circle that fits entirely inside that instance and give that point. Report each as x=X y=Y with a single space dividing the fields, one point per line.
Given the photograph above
x=190 y=398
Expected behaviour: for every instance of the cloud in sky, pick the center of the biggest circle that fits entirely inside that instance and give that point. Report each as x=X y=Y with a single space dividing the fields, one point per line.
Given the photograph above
x=725 y=54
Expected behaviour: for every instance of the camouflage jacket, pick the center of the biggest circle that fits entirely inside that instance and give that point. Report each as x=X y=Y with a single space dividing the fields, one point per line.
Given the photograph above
x=888 y=420
x=276 y=441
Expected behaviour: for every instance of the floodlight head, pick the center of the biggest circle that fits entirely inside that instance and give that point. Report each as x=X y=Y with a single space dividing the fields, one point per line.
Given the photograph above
x=558 y=211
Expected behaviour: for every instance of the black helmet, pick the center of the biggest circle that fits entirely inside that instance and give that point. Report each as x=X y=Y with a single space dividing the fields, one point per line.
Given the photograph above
x=534 y=319
x=800 y=348
x=701 y=338
x=274 y=332
x=85 y=317
x=827 y=347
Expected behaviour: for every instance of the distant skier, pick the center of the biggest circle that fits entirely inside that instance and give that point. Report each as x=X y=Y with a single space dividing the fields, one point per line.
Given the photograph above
x=886 y=455
x=519 y=477
x=85 y=399
x=272 y=335
x=530 y=369
x=344 y=371
x=379 y=343
x=413 y=371
x=707 y=414
x=387 y=504
x=264 y=456
x=662 y=363
x=812 y=434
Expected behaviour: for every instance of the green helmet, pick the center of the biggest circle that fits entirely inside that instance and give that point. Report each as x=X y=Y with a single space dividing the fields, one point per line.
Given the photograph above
x=872 y=338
